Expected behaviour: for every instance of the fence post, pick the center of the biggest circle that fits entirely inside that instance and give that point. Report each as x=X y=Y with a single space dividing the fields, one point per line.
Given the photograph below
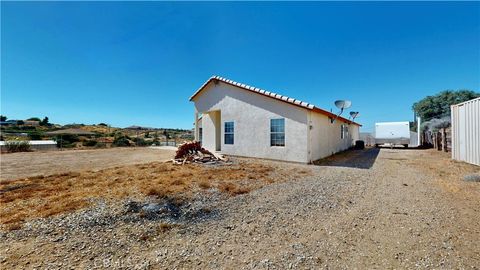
x=444 y=140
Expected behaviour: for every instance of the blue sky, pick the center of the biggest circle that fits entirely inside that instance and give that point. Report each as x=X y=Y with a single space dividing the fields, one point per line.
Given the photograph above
x=130 y=63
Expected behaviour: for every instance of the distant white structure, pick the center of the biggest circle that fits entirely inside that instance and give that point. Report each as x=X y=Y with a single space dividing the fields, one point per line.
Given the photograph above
x=397 y=133
x=242 y=120
x=466 y=131
x=36 y=145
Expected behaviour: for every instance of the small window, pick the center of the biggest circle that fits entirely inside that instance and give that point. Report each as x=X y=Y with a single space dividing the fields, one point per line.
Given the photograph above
x=229 y=129
x=343 y=131
x=200 y=135
x=277 y=132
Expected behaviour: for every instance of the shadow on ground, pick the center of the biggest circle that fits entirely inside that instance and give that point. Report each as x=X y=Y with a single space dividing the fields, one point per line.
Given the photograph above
x=361 y=159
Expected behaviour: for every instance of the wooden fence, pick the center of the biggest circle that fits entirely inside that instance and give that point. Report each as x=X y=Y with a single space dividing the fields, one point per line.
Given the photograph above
x=440 y=140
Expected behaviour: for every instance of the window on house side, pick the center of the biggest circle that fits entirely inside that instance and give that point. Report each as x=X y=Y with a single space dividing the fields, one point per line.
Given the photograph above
x=228 y=132
x=277 y=132
x=343 y=131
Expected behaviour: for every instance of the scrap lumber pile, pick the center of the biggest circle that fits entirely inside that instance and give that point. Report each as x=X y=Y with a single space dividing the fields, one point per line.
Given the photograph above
x=193 y=152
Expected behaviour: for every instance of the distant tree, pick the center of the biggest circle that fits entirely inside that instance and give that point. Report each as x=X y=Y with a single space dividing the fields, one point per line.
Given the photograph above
x=20 y=122
x=438 y=106
x=44 y=122
x=165 y=133
x=3 y=118
x=147 y=134
x=103 y=124
x=34 y=119
x=35 y=135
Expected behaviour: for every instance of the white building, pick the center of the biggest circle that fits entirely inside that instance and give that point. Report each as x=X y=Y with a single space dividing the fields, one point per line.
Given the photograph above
x=241 y=120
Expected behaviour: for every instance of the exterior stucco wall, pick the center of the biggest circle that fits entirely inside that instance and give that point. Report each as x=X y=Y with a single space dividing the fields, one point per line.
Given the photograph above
x=208 y=129
x=325 y=137
x=251 y=114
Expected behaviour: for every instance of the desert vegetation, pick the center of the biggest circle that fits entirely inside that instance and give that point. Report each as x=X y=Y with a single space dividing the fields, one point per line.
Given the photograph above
x=48 y=195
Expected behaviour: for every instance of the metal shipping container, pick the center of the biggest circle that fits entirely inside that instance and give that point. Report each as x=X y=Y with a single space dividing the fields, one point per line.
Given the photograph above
x=466 y=131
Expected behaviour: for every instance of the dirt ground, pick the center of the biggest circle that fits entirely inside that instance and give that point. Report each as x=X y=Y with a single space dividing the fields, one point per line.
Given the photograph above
x=388 y=208
x=19 y=165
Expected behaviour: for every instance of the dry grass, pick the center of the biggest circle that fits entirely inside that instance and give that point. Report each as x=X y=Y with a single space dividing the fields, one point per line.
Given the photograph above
x=44 y=196
x=448 y=173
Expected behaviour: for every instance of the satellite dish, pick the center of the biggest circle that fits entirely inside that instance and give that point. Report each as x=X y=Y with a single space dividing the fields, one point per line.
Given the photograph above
x=354 y=115
x=343 y=104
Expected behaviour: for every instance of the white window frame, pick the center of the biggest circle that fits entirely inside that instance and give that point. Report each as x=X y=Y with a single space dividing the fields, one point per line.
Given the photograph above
x=225 y=133
x=276 y=133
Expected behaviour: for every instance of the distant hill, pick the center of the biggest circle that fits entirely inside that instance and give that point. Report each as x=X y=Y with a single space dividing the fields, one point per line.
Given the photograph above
x=133 y=135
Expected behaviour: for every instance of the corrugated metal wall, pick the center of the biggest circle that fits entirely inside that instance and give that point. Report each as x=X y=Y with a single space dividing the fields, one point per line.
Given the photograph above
x=466 y=131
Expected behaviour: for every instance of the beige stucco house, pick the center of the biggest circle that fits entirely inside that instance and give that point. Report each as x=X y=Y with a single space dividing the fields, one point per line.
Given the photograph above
x=242 y=120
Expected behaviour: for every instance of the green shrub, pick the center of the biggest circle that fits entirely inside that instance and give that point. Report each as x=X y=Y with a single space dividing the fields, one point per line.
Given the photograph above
x=100 y=145
x=121 y=141
x=141 y=142
x=35 y=135
x=90 y=143
x=17 y=146
x=67 y=140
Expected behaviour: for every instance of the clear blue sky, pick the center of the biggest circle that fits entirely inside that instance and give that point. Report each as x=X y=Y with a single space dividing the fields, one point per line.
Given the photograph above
x=130 y=63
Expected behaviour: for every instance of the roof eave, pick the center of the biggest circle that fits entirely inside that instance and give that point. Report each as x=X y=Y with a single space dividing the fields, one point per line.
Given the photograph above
x=278 y=97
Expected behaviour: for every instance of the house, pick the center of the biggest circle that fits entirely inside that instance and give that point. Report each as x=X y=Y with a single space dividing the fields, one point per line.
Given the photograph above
x=241 y=120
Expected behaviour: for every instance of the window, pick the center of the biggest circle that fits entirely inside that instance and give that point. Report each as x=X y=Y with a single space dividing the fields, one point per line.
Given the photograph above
x=200 y=135
x=343 y=131
x=277 y=132
x=229 y=128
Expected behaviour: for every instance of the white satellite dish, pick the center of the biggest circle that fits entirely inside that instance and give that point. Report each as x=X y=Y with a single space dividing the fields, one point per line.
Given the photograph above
x=342 y=104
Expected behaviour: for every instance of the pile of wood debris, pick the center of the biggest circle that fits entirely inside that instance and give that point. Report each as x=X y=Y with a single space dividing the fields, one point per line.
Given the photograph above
x=193 y=152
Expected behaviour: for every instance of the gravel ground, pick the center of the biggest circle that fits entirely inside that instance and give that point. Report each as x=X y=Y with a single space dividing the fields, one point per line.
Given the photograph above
x=406 y=209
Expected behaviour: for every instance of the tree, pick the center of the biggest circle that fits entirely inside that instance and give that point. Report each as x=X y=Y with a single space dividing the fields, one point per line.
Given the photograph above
x=3 y=118
x=34 y=119
x=165 y=133
x=438 y=106
x=35 y=135
x=44 y=122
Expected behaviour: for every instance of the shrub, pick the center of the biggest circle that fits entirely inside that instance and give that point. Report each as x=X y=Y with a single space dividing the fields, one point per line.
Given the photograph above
x=35 y=135
x=100 y=145
x=17 y=146
x=121 y=141
x=90 y=143
x=141 y=142
x=67 y=140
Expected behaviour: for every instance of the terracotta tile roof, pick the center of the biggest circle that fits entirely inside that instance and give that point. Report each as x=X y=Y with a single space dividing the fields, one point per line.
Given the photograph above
x=263 y=92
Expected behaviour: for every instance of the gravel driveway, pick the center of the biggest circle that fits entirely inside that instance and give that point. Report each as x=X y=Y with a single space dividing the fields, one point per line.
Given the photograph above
x=407 y=209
